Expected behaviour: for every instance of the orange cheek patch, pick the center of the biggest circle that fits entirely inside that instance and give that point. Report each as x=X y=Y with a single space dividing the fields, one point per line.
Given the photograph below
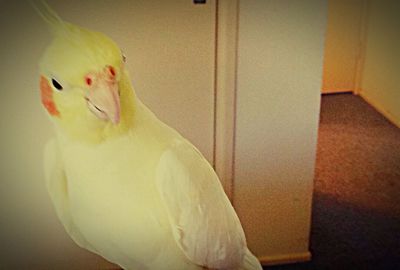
x=47 y=97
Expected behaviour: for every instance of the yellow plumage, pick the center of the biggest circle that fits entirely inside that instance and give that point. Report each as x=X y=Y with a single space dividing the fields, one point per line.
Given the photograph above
x=125 y=185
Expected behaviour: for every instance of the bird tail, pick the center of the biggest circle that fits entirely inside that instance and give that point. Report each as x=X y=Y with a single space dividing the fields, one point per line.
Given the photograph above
x=250 y=262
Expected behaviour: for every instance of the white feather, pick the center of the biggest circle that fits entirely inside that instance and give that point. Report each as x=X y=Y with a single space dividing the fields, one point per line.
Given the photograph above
x=210 y=233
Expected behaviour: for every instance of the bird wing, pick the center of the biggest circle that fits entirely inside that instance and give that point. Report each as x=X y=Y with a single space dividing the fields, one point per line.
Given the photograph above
x=57 y=187
x=203 y=221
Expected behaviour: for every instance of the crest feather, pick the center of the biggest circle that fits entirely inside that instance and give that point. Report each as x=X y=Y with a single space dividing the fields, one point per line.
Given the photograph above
x=51 y=18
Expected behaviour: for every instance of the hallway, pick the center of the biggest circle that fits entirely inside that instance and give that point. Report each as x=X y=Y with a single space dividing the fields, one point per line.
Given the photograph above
x=356 y=205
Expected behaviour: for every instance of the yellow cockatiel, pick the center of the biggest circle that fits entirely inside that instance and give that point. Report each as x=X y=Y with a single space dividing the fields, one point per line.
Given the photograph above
x=125 y=185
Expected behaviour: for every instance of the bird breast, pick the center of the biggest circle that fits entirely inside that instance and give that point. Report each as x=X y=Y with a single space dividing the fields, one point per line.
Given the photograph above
x=113 y=201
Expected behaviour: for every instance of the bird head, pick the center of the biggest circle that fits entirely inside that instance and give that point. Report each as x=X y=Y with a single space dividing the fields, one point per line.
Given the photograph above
x=83 y=84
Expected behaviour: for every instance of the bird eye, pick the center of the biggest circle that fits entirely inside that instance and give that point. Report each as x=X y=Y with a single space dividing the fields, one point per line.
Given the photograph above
x=88 y=80
x=56 y=84
x=111 y=71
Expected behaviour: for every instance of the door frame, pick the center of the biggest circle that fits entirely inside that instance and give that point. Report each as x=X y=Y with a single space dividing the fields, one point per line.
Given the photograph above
x=226 y=49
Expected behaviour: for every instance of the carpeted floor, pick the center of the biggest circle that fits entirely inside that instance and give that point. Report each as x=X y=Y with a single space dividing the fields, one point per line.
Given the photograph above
x=356 y=205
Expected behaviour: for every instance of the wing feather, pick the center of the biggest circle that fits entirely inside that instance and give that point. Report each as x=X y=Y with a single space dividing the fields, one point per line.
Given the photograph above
x=203 y=221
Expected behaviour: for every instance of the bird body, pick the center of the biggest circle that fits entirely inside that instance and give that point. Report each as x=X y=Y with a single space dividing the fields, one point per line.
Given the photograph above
x=124 y=184
x=116 y=206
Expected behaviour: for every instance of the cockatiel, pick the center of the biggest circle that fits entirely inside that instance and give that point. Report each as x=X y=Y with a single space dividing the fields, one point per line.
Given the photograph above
x=124 y=184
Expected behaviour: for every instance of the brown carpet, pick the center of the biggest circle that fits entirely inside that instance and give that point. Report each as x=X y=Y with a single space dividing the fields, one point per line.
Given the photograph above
x=356 y=205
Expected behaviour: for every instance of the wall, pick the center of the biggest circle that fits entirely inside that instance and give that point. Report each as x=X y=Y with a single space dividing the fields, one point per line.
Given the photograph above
x=342 y=45
x=278 y=96
x=172 y=70
x=380 y=81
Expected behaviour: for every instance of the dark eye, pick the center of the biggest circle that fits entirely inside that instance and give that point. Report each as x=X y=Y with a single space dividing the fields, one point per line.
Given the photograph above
x=56 y=84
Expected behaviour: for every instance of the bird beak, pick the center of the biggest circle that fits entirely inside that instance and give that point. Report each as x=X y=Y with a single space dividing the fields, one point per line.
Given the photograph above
x=103 y=98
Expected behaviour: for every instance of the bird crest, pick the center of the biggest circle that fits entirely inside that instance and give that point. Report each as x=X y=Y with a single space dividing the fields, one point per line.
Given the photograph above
x=55 y=24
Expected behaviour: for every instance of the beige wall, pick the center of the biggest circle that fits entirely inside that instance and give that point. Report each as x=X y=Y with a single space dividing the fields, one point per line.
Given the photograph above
x=278 y=97
x=170 y=50
x=342 y=45
x=380 y=81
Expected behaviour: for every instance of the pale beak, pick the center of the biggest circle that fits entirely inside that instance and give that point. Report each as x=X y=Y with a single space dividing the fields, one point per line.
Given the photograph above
x=103 y=99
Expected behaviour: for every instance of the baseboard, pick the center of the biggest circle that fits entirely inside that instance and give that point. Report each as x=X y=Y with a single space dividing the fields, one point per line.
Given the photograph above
x=285 y=259
x=380 y=109
x=336 y=91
